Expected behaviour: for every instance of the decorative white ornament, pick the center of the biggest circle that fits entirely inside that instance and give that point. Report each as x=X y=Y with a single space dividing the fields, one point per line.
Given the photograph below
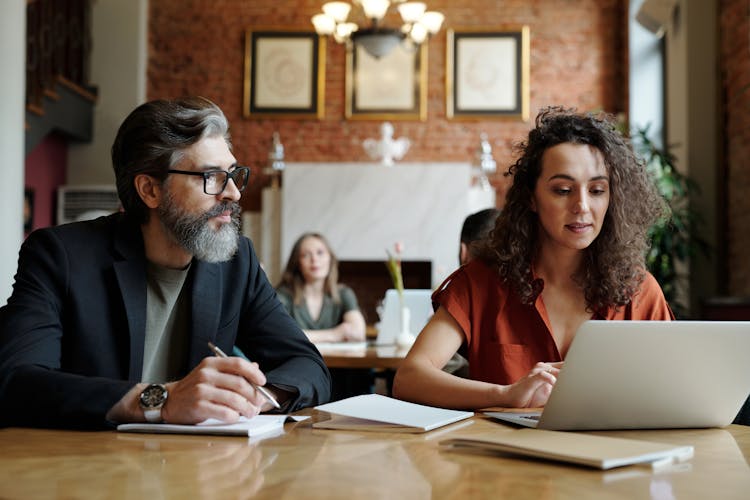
x=387 y=149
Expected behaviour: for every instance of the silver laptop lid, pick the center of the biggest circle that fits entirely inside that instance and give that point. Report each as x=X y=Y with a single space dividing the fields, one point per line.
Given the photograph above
x=651 y=375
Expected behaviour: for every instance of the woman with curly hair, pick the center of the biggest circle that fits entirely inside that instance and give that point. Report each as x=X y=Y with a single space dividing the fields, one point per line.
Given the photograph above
x=569 y=246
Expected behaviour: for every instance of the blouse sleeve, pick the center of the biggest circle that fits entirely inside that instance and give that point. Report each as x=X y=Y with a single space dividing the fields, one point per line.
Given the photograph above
x=649 y=303
x=454 y=295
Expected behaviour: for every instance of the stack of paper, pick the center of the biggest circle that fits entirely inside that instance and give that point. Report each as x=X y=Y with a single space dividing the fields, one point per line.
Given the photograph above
x=373 y=412
x=256 y=426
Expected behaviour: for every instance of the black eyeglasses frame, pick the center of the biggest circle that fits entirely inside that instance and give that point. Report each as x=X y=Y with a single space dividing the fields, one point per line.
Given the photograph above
x=233 y=174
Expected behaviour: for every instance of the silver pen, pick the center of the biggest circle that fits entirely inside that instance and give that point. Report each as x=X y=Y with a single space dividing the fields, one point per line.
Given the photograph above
x=258 y=388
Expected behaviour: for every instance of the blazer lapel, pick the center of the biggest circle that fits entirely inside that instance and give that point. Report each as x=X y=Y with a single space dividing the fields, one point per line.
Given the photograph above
x=206 y=307
x=131 y=278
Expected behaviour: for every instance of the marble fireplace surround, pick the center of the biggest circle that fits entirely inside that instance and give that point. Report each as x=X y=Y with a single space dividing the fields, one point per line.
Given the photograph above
x=364 y=208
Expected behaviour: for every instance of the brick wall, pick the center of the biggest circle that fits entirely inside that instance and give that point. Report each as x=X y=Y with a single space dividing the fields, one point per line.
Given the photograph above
x=577 y=59
x=735 y=71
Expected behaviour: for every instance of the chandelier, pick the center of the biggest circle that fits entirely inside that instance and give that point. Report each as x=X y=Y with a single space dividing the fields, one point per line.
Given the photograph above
x=418 y=24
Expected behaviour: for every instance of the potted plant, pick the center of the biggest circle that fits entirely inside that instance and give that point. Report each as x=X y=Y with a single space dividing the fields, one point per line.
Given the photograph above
x=674 y=239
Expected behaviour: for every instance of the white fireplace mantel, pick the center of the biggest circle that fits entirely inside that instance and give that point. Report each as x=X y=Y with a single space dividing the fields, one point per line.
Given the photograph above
x=364 y=208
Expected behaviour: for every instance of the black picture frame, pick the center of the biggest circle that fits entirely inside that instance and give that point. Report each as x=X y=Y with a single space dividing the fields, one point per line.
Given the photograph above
x=284 y=74
x=487 y=74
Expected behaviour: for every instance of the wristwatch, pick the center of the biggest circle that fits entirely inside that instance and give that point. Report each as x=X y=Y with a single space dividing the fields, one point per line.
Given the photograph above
x=151 y=400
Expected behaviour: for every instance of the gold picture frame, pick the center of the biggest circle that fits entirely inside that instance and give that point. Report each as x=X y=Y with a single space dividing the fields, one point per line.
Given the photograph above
x=487 y=74
x=284 y=74
x=393 y=87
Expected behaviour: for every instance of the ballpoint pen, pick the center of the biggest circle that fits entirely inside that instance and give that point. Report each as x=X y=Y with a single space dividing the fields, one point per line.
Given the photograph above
x=258 y=388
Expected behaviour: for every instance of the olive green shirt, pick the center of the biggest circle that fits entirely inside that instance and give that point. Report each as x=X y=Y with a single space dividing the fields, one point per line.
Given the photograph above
x=331 y=313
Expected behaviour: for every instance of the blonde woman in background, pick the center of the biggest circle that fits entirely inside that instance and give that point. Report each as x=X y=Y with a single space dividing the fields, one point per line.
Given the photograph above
x=326 y=310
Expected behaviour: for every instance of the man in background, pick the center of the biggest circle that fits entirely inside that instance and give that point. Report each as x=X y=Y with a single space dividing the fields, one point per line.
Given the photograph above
x=476 y=227
x=110 y=319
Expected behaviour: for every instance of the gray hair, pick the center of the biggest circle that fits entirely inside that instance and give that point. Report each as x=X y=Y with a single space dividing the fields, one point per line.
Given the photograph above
x=153 y=139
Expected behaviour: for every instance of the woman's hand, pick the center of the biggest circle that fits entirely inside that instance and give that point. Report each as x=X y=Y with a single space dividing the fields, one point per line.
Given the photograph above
x=350 y=332
x=533 y=389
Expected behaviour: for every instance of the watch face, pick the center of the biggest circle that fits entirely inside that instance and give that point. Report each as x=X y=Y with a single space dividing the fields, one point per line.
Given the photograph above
x=153 y=396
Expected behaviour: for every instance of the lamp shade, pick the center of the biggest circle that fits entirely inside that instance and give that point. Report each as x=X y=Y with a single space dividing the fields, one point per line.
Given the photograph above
x=432 y=20
x=377 y=43
x=378 y=40
x=411 y=11
x=375 y=9
x=324 y=24
x=337 y=10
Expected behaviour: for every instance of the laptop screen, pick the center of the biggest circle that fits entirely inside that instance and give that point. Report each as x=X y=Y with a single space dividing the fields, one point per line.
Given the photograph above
x=418 y=301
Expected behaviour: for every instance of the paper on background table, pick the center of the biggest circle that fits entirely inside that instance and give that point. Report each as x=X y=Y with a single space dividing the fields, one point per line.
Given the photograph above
x=373 y=412
x=256 y=426
x=583 y=449
x=341 y=346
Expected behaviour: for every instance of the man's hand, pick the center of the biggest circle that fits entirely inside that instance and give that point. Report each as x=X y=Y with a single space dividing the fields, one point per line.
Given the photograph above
x=217 y=388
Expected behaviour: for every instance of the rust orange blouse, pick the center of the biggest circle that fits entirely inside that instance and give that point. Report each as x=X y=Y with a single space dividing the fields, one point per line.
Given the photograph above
x=506 y=338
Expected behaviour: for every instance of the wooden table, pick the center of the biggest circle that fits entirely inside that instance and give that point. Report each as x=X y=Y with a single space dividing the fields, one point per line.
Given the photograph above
x=377 y=357
x=307 y=463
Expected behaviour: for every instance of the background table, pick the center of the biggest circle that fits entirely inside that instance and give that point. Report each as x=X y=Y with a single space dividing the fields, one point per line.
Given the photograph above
x=377 y=357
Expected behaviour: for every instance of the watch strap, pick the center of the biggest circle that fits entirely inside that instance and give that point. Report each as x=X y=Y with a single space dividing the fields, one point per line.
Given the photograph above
x=153 y=415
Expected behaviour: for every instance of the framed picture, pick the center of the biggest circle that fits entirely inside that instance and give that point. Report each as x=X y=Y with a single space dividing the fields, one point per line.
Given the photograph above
x=487 y=74
x=393 y=87
x=284 y=74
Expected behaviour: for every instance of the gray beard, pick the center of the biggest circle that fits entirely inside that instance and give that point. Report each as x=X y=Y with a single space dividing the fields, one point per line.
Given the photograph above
x=194 y=233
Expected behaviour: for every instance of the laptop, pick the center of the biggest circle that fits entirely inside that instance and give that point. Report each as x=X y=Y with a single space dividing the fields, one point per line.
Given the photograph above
x=419 y=302
x=648 y=375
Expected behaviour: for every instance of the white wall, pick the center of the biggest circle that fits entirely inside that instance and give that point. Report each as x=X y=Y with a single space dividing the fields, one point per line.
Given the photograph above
x=118 y=68
x=365 y=208
x=12 y=110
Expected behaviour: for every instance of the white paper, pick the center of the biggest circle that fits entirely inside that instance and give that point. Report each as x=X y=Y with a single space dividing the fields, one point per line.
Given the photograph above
x=256 y=426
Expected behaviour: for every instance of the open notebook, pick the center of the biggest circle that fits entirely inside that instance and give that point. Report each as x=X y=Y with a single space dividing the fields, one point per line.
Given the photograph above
x=373 y=412
x=648 y=375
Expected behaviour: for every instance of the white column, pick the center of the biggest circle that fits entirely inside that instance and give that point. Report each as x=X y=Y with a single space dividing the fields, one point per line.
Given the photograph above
x=12 y=104
x=270 y=248
x=118 y=68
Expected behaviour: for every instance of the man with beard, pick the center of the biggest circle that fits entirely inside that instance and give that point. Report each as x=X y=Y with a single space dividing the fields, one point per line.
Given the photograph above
x=110 y=319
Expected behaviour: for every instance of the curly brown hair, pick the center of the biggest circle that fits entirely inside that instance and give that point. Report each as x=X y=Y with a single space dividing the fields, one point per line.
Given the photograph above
x=614 y=264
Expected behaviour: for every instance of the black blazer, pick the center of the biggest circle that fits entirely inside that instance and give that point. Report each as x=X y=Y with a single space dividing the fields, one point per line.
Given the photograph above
x=72 y=332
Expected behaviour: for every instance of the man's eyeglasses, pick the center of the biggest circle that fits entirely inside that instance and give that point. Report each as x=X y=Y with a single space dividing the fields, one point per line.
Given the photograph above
x=215 y=181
